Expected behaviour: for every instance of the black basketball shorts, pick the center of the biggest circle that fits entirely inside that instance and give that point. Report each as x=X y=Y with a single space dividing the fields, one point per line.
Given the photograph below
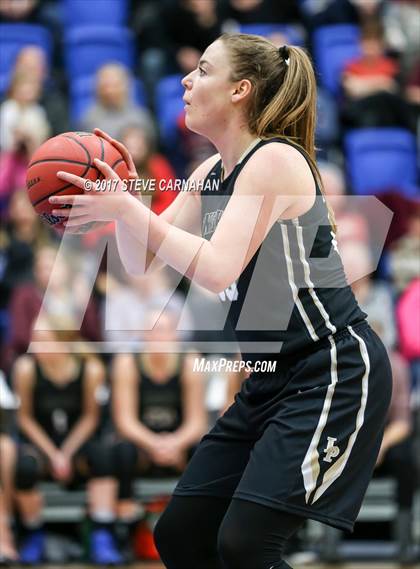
x=304 y=439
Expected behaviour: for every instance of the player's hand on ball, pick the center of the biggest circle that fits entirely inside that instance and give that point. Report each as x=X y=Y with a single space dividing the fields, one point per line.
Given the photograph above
x=98 y=205
x=132 y=172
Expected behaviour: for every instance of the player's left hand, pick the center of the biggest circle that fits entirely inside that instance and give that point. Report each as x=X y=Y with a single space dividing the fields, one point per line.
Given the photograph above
x=98 y=205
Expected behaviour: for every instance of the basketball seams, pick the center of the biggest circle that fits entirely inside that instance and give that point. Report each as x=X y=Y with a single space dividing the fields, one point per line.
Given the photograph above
x=88 y=165
x=40 y=172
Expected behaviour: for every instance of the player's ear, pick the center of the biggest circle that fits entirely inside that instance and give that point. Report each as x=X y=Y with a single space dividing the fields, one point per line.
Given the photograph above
x=241 y=90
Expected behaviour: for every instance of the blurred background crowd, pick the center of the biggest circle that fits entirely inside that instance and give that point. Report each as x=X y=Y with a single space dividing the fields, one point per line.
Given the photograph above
x=99 y=422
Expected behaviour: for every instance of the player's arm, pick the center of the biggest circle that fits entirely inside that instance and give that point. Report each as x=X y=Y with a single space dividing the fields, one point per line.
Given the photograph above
x=184 y=212
x=94 y=377
x=194 y=423
x=23 y=383
x=268 y=185
x=125 y=402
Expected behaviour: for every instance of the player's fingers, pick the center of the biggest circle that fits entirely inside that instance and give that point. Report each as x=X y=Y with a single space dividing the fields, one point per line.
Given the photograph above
x=72 y=179
x=69 y=200
x=103 y=134
x=106 y=169
x=69 y=212
x=121 y=149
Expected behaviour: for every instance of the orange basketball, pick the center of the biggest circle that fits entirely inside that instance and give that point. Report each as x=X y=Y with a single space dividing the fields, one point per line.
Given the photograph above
x=72 y=152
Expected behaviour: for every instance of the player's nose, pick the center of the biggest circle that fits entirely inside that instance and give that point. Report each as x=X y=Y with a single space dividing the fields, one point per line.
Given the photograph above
x=187 y=81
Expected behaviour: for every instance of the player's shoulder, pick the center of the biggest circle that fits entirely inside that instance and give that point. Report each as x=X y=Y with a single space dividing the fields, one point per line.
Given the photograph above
x=276 y=167
x=276 y=154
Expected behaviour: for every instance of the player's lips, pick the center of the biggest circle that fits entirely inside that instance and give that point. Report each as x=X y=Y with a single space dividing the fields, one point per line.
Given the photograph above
x=187 y=103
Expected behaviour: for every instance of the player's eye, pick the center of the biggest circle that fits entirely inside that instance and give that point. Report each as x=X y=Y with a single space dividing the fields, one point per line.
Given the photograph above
x=201 y=71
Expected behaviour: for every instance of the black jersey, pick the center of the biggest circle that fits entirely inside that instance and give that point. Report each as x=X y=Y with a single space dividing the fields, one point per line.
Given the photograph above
x=293 y=292
x=57 y=408
x=160 y=405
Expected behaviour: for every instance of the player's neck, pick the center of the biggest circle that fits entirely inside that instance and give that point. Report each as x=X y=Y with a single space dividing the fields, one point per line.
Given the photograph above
x=232 y=147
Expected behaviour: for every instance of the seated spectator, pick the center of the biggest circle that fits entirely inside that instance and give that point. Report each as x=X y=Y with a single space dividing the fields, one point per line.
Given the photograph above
x=113 y=108
x=24 y=232
x=401 y=21
x=126 y=305
x=404 y=253
x=396 y=453
x=408 y=317
x=21 y=108
x=190 y=25
x=412 y=86
x=374 y=297
x=370 y=87
x=158 y=410
x=32 y=61
x=57 y=418
x=19 y=11
x=396 y=457
x=26 y=301
x=351 y=225
x=236 y=12
x=412 y=92
x=149 y=164
x=8 y=553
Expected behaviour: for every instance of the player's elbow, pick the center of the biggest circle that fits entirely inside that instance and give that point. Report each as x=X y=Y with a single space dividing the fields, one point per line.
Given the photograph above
x=215 y=282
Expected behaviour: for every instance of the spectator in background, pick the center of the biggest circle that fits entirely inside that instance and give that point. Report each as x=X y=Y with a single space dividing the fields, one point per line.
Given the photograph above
x=126 y=305
x=32 y=61
x=23 y=234
x=26 y=301
x=351 y=225
x=370 y=86
x=190 y=26
x=402 y=30
x=19 y=10
x=20 y=108
x=236 y=12
x=8 y=552
x=396 y=453
x=141 y=144
x=114 y=109
x=57 y=418
x=404 y=253
x=158 y=409
x=331 y=12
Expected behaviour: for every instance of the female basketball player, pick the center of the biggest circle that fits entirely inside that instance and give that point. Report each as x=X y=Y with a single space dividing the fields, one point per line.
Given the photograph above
x=301 y=442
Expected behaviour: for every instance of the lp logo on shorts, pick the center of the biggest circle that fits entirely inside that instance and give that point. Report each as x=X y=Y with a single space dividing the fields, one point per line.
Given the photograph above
x=332 y=451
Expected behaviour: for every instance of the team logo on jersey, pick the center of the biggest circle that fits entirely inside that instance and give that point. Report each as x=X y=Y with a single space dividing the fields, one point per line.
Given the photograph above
x=332 y=450
x=230 y=293
x=210 y=221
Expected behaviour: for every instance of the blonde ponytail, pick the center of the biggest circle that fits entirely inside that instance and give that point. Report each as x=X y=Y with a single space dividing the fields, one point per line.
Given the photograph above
x=283 y=98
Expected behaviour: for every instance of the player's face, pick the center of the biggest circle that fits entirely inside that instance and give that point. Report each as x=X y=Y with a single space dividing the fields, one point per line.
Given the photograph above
x=208 y=91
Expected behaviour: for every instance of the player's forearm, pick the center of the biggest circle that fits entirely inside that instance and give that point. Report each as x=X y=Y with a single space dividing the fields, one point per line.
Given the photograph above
x=188 y=254
x=136 y=433
x=37 y=435
x=81 y=432
x=135 y=257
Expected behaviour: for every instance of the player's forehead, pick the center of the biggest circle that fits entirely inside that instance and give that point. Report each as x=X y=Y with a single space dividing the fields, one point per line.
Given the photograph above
x=215 y=56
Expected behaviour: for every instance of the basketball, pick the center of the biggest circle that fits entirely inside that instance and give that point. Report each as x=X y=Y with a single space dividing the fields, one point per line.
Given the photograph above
x=72 y=152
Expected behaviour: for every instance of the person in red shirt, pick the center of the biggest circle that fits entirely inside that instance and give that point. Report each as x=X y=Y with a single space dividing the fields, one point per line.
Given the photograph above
x=374 y=70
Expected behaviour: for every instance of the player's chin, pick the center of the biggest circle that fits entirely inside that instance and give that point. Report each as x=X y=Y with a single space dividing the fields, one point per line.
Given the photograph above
x=193 y=125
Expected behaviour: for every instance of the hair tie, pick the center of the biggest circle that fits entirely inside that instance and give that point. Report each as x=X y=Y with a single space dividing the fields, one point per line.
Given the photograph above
x=284 y=54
